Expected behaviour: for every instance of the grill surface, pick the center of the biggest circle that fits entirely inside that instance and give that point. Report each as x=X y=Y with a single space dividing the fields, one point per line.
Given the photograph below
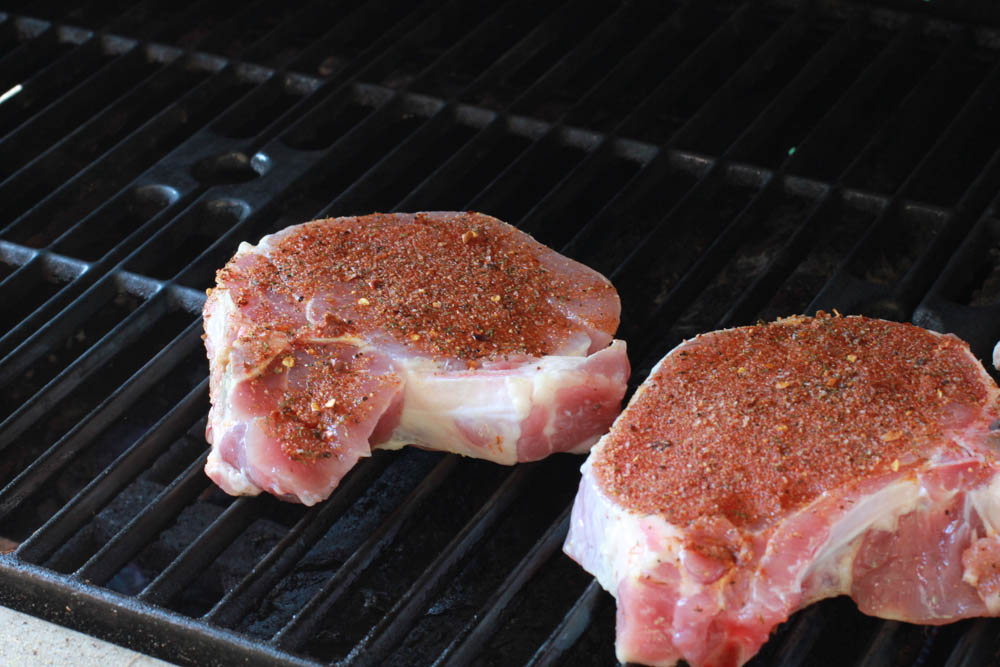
x=720 y=163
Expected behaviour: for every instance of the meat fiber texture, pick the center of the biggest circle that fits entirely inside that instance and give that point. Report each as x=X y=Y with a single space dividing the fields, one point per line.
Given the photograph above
x=761 y=469
x=448 y=331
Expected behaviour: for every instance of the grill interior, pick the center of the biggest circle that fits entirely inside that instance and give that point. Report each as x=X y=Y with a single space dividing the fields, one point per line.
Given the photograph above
x=720 y=162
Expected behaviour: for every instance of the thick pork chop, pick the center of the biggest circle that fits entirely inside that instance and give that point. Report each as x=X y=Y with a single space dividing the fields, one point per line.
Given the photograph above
x=763 y=468
x=449 y=331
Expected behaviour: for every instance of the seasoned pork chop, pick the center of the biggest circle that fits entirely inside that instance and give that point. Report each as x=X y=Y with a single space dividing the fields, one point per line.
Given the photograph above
x=449 y=331
x=763 y=468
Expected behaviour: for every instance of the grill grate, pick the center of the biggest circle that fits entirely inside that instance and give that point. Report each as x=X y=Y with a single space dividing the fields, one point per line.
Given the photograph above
x=719 y=161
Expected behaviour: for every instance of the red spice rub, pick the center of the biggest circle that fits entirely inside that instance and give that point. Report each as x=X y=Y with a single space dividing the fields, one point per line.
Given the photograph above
x=751 y=422
x=459 y=285
x=330 y=394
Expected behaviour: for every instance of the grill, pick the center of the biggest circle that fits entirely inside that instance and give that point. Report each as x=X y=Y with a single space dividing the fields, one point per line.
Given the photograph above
x=720 y=162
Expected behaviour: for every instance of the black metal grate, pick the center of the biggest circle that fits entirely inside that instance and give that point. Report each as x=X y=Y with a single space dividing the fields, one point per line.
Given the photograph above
x=720 y=162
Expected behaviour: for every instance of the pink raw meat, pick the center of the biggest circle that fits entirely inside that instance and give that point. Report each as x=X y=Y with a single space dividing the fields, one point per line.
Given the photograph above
x=763 y=468
x=449 y=331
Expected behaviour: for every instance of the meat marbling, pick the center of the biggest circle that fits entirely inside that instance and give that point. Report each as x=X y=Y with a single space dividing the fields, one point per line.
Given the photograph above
x=763 y=468
x=449 y=331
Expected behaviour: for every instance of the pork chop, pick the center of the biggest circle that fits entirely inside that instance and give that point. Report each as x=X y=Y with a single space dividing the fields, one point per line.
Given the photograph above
x=449 y=331
x=763 y=468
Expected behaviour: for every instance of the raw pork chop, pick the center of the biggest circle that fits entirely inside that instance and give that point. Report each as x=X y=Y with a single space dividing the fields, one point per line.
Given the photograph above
x=450 y=331
x=763 y=468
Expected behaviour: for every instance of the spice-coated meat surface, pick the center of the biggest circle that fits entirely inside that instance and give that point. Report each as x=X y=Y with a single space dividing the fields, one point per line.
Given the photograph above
x=762 y=468
x=449 y=331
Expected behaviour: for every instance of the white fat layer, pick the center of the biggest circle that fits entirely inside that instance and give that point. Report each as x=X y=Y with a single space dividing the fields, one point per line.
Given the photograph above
x=985 y=500
x=492 y=403
x=216 y=323
x=233 y=481
x=833 y=561
x=604 y=538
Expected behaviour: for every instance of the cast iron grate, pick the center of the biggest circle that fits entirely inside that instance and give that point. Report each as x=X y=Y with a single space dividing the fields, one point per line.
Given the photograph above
x=776 y=159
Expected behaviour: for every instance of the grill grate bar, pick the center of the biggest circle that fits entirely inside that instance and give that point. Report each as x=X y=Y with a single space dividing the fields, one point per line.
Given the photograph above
x=121 y=74
x=651 y=175
x=486 y=25
x=980 y=645
x=607 y=32
x=803 y=635
x=387 y=40
x=743 y=310
x=846 y=110
x=708 y=263
x=920 y=96
x=85 y=52
x=202 y=551
x=437 y=185
x=977 y=105
x=470 y=639
x=79 y=141
x=752 y=299
x=133 y=19
x=407 y=47
x=489 y=198
x=45 y=400
x=520 y=52
x=88 y=273
x=570 y=629
x=697 y=276
x=500 y=188
x=779 y=40
x=917 y=279
x=603 y=150
x=299 y=628
x=916 y=282
x=231 y=23
x=390 y=161
x=951 y=298
x=727 y=94
x=109 y=411
x=153 y=518
x=616 y=80
x=690 y=69
x=882 y=647
x=629 y=63
x=676 y=80
x=275 y=39
x=391 y=165
x=25 y=278
x=123 y=157
x=127 y=621
x=30 y=55
x=113 y=478
x=782 y=104
x=285 y=554
x=568 y=188
x=397 y=622
x=59 y=268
